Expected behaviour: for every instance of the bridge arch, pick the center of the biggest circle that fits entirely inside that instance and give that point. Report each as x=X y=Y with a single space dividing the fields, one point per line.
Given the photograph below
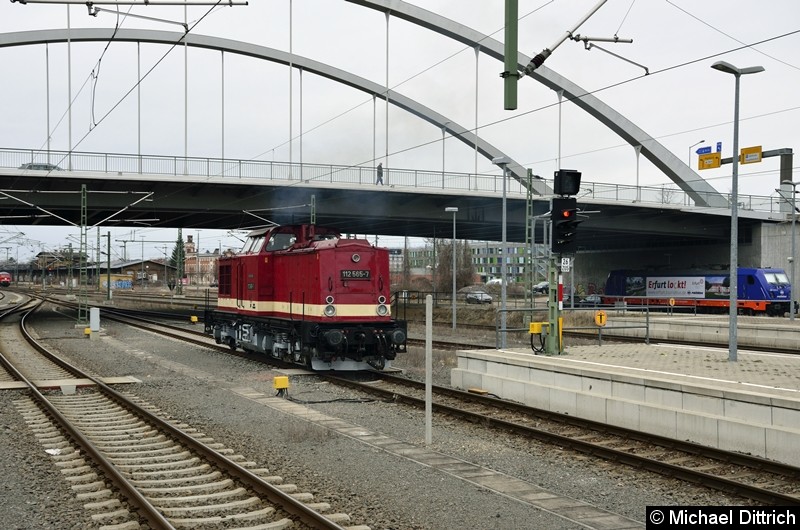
x=27 y=38
x=673 y=167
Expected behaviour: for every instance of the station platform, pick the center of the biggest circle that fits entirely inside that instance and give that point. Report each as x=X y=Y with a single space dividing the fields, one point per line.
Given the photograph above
x=752 y=332
x=751 y=405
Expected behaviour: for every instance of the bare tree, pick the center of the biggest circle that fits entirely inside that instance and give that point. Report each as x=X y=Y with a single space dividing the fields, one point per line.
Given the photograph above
x=465 y=269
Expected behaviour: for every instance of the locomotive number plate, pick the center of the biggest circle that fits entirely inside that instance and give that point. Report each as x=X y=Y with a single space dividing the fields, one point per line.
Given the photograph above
x=355 y=275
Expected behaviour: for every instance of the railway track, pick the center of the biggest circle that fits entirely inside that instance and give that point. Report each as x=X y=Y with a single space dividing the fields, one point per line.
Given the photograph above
x=753 y=478
x=162 y=474
x=193 y=306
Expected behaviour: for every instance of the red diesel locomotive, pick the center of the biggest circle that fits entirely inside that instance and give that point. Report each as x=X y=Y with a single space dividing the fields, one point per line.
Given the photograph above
x=304 y=294
x=5 y=279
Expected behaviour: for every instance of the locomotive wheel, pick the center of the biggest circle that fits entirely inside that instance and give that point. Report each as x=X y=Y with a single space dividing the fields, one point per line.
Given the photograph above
x=232 y=343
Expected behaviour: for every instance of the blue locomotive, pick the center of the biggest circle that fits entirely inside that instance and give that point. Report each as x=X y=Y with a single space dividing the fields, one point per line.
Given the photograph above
x=760 y=291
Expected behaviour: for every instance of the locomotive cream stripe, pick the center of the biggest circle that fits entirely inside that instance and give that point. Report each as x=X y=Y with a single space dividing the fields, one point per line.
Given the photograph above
x=299 y=309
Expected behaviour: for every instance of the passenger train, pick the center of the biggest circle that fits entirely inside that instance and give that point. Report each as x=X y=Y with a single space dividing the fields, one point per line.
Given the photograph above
x=760 y=290
x=5 y=279
x=305 y=294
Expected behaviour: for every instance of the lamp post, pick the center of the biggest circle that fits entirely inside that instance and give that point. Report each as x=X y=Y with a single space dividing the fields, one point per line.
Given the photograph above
x=690 y=151
x=454 y=211
x=728 y=68
x=792 y=258
x=502 y=162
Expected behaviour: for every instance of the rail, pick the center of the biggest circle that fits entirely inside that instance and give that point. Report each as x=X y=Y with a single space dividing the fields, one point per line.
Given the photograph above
x=270 y=170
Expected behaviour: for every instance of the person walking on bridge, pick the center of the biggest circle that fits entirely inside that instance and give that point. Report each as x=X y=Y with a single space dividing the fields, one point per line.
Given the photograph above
x=379 y=173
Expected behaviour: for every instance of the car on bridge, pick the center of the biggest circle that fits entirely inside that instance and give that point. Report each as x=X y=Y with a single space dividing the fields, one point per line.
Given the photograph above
x=41 y=167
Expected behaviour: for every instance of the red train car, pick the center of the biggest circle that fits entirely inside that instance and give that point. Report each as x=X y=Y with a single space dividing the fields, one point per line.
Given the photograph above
x=303 y=293
x=5 y=279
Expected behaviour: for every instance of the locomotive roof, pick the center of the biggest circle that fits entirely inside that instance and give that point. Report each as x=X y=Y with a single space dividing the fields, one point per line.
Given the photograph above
x=296 y=229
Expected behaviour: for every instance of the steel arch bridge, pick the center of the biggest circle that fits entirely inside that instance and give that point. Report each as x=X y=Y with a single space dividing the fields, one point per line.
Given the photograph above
x=700 y=191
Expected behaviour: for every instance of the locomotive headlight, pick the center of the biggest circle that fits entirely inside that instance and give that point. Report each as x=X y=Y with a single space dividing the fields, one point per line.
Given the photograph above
x=329 y=300
x=382 y=310
x=330 y=310
x=381 y=299
x=356 y=258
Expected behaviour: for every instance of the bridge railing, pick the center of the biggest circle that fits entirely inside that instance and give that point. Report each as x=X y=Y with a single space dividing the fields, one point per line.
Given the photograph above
x=353 y=175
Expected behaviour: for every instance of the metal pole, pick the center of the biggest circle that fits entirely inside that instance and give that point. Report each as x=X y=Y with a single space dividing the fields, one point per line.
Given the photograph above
x=454 y=211
x=444 y=130
x=794 y=217
x=428 y=369
x=291 y=91
x=47 y=92
x=503 y=271
x=510 y=74
x=139 y=105
x=108 y=266
x=734 y=268
x=477 y=132
x=792 y=257
x=69 y=90
x=690 y=150
x=386 y=120
x=728 y=68
x=166 y=259
x=638 y=150
x=222 y=105
x=197 y=256
x=185 y=102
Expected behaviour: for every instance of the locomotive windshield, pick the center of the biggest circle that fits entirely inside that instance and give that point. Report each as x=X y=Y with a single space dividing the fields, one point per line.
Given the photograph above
x=280 y=241
x=253 y=244
x=776 y=278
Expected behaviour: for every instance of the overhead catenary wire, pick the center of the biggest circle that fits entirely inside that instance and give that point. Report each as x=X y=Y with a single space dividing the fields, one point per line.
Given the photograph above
x=488 y=124
x=474 y=130
x=592 y=92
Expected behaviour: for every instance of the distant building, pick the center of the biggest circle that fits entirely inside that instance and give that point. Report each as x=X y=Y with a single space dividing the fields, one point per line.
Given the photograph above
x=200 y=267
x=486 y=257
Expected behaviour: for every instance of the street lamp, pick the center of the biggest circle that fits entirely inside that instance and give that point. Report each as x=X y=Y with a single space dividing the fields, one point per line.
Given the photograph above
x=791 y=259
x=502 y=162
x=454 y=211
x=690 y=151
x=728 y=68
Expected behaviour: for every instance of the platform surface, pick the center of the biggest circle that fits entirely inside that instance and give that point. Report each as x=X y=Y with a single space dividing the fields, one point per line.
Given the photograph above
x=764 y=373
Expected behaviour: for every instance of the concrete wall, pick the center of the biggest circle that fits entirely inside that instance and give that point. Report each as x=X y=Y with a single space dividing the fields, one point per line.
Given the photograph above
x=776 y=244
x=768 y=246
x=594 y=267
x=748 y=422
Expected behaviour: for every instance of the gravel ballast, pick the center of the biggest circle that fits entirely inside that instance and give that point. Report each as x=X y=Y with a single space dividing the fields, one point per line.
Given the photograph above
x=194 y=385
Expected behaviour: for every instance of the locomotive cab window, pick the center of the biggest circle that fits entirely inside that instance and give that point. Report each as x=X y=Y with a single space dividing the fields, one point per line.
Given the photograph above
x=253 y=244
x=280 y=242
x=776 y=278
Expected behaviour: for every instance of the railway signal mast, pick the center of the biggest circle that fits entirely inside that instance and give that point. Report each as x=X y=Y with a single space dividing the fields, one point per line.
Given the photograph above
x=564 y=243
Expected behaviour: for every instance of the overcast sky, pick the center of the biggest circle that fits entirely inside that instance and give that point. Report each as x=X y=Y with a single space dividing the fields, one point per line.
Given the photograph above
x=681 y=102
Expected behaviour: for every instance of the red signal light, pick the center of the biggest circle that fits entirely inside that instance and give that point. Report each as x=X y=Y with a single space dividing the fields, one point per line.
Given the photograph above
x=566 y=214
